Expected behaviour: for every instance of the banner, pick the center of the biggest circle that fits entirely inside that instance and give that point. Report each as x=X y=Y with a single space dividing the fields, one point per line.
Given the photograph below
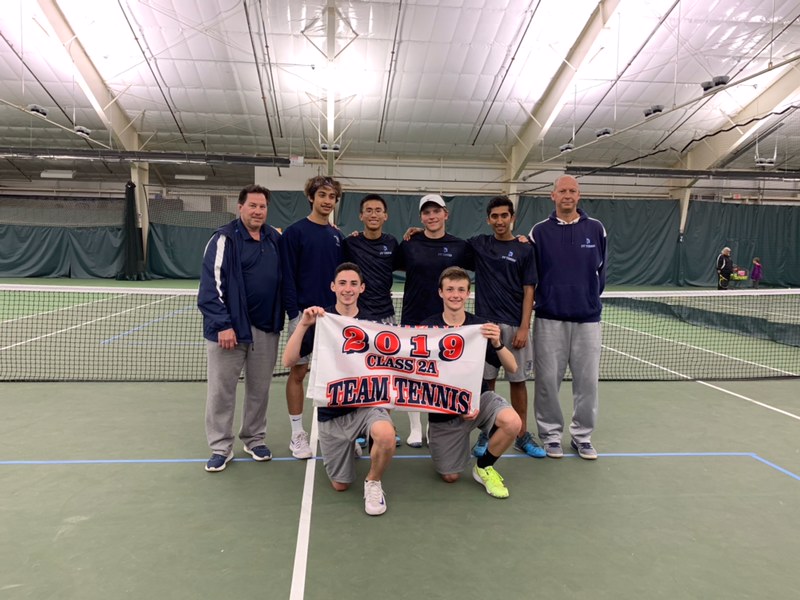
x=362 y=363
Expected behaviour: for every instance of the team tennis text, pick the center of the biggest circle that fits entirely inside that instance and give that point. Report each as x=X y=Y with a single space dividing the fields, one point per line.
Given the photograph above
x=375 y=390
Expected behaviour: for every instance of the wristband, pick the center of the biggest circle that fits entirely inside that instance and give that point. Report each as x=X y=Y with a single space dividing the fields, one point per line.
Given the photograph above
x=500 y=347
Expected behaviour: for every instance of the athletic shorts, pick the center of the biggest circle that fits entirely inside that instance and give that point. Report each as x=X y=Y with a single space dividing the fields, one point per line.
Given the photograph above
x=449 y=441
x=337 y=441
x=304 y=360
x=523 y=356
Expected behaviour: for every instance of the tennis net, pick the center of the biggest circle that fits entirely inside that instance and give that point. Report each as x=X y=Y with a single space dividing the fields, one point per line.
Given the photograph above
x=57 y=333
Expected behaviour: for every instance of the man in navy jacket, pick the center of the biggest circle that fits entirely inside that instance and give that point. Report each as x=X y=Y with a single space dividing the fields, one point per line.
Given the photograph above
x=570 y=251
x=240 y=298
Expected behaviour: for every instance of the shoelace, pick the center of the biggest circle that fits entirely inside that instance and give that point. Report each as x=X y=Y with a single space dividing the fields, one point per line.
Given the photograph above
x=373 y=492
x=493 y=475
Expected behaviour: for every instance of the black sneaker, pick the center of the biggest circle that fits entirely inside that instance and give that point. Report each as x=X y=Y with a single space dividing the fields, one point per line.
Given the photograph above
x=218 y=462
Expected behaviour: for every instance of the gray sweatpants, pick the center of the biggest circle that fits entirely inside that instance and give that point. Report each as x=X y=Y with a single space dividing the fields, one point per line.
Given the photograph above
x=557 y=344
x=224 y=367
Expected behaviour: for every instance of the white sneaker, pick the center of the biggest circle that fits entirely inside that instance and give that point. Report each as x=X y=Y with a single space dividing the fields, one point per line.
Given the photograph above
x=299 y=446
x=374 y=500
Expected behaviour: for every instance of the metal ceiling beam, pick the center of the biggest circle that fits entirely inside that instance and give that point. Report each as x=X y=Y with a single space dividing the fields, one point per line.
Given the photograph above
x=130 y=156
x=713 y=151
x=551 y=102
x=695 y=174
x=88 y=78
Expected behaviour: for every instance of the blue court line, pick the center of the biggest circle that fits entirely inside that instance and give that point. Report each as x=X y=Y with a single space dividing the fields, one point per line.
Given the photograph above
x=776 y=467
x=119 y=336
x=121 y=461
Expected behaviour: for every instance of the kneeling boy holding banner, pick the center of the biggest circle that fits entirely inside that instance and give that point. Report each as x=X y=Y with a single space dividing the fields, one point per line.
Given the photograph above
x=449 y=434
x=339 y=427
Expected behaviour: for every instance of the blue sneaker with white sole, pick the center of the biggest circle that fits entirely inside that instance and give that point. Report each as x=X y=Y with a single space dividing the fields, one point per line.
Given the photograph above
x=481 y=446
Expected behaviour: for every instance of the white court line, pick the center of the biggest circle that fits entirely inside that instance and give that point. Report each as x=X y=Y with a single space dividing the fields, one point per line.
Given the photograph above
x=756 y=402
x=55 y=310
x=740 y=396
x=677 y=343
x=298 y=588
x=84 y=324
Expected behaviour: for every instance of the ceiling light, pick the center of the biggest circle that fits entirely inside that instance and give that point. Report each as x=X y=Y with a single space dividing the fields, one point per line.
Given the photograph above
x=721 y=80
x=763 y=161
x=604 y=132
x=36 y=109
x=82 y=131
x=188 y=177
x=56 y=174
x=566 y=148
x=653 y=110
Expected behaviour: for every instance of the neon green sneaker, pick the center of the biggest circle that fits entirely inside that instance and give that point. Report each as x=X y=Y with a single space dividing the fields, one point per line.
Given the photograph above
x=491 y=480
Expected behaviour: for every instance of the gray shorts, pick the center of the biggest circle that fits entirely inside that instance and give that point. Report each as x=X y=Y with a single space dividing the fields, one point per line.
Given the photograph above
x=337 y=438
x=523 y=356
x=449 y=441
x=304 y=360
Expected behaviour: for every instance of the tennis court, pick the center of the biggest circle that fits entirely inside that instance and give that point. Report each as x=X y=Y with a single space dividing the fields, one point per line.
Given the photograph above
x=696 y=493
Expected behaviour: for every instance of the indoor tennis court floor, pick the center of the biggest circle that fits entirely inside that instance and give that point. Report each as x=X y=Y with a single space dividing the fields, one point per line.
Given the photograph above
x=103 y=495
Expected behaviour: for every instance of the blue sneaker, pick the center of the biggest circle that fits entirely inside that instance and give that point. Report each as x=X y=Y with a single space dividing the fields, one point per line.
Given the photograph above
x=528 y=445
x=260 y=453
x=481 y=446
x=218 y=462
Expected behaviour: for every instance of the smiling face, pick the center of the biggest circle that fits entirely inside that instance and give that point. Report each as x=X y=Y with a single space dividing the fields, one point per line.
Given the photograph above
x=253 y=212
x=501 y=221
x=433 y=218
x=347 y=286
x=323 y=203
x=373 y=215
x=454 y=293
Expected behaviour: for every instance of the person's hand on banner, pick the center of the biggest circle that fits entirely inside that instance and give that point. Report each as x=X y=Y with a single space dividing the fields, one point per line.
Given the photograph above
x=310 y=315
x=492 y=333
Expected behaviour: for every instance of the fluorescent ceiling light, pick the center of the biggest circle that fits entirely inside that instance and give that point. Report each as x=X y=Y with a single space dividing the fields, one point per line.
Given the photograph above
x=56 y=174
x=190 y=177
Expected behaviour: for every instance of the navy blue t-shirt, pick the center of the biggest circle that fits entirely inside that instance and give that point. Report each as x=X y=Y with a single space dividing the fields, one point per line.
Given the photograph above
x=310 y=254
x=376 y=260
x=491 y=354
x=501 y=269
x=260 y=263
x=307 y=346
x=423 y=260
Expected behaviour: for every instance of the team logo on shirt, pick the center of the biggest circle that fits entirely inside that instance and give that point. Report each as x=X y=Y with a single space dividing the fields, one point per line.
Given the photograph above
x=385 y=251
x=588 y=244
x=509 y=257
x=445 y=252
x=336 y=239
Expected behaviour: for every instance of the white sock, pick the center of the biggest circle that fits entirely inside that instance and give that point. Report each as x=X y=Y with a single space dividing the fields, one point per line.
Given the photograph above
x=415 y=434
x=297 y=423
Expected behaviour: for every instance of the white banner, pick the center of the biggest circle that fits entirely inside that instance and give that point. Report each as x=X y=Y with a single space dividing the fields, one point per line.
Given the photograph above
x=362 y=363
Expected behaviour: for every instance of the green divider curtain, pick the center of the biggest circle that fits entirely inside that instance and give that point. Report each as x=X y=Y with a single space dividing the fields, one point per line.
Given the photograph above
x=40 y=251
x=771 y=233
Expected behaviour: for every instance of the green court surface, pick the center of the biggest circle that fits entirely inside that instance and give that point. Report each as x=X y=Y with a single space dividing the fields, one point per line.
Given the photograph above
x=696 y=494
